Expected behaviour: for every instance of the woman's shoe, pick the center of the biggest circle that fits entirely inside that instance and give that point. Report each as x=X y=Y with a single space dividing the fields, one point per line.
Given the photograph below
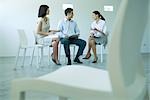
x=53 y=58
x=87 y=57
x=95 y=61
x=56 y=62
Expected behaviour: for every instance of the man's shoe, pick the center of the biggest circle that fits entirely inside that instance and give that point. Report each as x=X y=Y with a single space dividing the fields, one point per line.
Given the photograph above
x=69 y=61
x=77 y=60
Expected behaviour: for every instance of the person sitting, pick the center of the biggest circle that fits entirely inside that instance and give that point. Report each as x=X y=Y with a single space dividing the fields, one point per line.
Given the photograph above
x=43 y=30
x=96 y=35
x=69 y=35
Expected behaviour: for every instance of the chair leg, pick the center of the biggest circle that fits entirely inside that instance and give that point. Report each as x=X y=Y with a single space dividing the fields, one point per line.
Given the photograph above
x=146 y=96
x=62 y=98
x=24 y=56
x=17 y=56
x=59 y=51
x=22 y=96
x=32 y=56
x=101 y=53
x=74 y=52
x=18 y=96
x=49 y=55
x=37 y=57
x=41 y=59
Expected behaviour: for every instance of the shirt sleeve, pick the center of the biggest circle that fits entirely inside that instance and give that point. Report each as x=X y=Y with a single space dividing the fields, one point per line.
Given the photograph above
x=60 y=27
x=101 y=28
x=92 y=25
x=104 y=26
x=77 y=31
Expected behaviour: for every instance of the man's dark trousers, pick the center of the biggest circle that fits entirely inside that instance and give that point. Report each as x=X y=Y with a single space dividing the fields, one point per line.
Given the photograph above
x=79 y=42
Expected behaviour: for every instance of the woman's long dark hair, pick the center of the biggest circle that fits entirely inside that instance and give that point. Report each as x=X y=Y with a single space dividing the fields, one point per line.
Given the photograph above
x=42 y=10
x=99 y=15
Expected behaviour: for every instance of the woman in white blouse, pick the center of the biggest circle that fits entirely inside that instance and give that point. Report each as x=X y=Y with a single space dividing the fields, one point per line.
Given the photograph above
x=43 y=30
x=96 y=34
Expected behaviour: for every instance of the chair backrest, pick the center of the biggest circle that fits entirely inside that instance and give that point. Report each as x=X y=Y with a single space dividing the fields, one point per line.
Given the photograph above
x=22 y=38
x=105 y=29
x=124 y=61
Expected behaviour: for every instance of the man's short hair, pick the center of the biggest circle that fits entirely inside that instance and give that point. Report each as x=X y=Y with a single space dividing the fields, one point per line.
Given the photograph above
x=68 y=10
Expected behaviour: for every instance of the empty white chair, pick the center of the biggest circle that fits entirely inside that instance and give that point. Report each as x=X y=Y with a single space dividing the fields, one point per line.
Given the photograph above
x=124 y=78
x=23 y=44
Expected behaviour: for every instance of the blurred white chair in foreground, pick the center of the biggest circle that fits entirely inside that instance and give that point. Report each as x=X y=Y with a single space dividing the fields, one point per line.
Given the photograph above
x=124 y=78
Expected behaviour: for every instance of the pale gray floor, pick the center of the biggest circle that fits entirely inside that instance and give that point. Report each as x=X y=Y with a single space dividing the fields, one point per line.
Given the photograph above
x=7 y=73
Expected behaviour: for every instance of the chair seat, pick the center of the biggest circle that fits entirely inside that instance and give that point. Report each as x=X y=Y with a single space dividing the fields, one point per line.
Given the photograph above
x=26 y=46
x=85 y=77
x=78 y=81
x=42 y=45
x=75 y=81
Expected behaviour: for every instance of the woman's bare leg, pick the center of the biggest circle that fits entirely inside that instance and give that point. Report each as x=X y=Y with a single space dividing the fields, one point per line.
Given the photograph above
x=55 y=49
x=89 y=47
x=93 y=46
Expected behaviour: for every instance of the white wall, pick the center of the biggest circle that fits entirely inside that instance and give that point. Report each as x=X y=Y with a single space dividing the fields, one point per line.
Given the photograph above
x=15 y=14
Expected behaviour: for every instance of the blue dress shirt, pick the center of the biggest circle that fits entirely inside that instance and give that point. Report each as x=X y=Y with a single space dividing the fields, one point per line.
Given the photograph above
x=68 y=27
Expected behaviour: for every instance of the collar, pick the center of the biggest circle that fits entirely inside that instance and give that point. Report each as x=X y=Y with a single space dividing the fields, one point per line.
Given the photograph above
x=98 y=21
x=65 y=19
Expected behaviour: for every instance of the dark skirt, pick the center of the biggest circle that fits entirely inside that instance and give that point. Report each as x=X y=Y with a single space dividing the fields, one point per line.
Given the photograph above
x=101 y=40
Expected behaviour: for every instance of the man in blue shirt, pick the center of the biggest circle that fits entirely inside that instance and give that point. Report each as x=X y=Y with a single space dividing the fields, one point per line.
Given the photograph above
x=69 y=33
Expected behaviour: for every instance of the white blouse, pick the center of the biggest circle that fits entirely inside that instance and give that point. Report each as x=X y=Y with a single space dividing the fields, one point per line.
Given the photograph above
x=98 y=25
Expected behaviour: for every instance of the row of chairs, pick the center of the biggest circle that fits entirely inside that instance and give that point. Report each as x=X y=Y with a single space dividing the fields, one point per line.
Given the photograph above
x=24 y=45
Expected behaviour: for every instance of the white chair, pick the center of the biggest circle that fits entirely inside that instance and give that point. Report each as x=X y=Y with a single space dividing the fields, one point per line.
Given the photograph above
x=41 y=47
x=103 y=45
x=23 y=44
x=124 y=78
